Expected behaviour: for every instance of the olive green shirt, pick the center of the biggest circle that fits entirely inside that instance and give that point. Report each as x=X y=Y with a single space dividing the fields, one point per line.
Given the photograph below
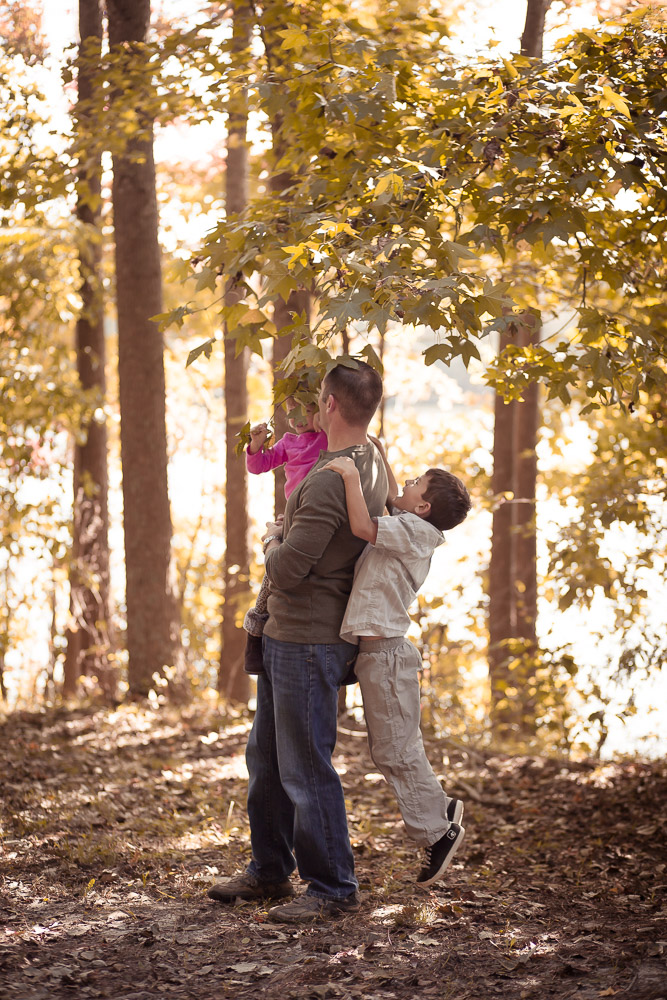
x=312 y=570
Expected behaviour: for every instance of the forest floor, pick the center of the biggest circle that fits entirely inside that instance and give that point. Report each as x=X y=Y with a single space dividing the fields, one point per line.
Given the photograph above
x=115 y=824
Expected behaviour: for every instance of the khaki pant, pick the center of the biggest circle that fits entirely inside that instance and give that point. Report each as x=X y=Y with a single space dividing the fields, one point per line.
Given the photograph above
x=387 y=670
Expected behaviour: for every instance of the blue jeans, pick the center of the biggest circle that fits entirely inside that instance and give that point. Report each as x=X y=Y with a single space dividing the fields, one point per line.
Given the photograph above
x=295 y=798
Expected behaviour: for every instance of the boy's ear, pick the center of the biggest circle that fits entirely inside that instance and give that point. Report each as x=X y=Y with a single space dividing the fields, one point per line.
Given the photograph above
x=423 y=508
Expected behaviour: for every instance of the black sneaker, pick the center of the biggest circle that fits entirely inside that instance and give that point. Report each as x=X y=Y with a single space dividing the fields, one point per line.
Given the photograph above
x=306 y=909
x=455 y=811
x=246 y=886
x=438 y=856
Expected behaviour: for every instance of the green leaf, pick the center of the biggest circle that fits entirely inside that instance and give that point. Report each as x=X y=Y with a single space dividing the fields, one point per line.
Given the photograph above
x=205 y=348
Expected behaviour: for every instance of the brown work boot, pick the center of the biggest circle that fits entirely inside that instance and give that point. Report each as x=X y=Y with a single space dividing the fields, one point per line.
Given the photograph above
x=306 y=909
x=247 y=886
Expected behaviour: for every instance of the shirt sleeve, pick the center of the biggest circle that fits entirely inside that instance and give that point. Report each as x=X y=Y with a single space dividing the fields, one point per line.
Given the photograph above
x=320 y=514
x=406 y=534
x=264 y=461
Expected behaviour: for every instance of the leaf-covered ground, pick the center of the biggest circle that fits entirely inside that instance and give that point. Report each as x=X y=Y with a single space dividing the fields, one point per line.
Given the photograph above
x=114 y=825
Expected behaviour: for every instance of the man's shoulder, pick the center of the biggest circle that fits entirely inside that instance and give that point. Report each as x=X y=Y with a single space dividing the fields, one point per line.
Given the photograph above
x=321 y=483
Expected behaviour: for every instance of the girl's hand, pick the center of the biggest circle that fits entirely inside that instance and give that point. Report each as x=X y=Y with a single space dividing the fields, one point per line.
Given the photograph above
x=343 y=466
x=258 y=435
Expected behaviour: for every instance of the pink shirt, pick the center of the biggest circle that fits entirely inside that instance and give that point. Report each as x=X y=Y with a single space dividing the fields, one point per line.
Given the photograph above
x=297 y=452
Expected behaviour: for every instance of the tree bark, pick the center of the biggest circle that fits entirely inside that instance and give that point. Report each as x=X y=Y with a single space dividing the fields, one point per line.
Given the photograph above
x=525 y=536
x=298 y=302
x=513 y=567
x=233 y=682
x=533 y=33
x=89 y=638
x=151 y=628
x=501 y=618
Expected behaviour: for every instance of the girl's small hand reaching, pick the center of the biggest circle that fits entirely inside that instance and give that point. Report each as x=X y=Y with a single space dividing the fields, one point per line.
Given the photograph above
x=258 y=435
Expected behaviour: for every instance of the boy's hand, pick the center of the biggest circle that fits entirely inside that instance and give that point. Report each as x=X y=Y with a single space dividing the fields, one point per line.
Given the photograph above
x=378 y=444
x=258 y=435
x=344 y=466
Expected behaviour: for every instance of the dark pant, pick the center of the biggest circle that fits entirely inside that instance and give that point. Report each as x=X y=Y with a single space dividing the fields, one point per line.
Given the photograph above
x=295 y=799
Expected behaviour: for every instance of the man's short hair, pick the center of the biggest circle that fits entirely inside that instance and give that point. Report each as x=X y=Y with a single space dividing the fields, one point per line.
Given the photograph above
x=357 y=391
x=448 y=497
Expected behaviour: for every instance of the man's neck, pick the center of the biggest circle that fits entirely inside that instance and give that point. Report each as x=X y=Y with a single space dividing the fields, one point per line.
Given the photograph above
x=340 y=438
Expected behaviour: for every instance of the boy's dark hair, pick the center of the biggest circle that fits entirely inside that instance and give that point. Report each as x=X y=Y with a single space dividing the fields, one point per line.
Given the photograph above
x=358 y=391
x=448 y=497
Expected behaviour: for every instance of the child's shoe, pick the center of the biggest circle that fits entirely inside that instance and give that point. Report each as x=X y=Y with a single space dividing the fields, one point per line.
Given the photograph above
x=455 y=811
x=438 y=856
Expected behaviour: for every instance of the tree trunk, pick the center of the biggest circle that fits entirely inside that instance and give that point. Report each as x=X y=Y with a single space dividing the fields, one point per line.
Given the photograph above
x=273 y=21
x=233 y=682
x=89 y=639
x=298 y=302
x=525 y=538
x=151 y=633
x=533 y=32
x=501 y=568
x=513 y=567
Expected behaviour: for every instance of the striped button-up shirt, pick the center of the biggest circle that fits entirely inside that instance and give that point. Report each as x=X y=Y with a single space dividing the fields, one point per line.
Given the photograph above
x=388 y=575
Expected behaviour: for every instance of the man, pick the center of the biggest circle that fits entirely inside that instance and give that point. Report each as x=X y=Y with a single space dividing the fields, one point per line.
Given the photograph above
x=295 y=799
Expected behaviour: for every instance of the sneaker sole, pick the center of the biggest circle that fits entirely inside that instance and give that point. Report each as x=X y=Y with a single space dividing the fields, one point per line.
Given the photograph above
x=446 y=863
x=455 y=811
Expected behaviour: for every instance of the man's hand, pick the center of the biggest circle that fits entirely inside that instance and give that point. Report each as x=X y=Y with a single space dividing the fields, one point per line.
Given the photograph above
x=343 y=466
x=258 y=435
x=273 y=528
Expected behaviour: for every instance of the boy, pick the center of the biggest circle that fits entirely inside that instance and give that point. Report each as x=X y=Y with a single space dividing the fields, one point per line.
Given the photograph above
x=388 y=574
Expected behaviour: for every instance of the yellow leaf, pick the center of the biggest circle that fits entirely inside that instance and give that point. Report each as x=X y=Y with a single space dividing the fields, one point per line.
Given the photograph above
x=510 y=69
x=611 y=99
x=389 y=182
x=293 y=38
x=297 y=253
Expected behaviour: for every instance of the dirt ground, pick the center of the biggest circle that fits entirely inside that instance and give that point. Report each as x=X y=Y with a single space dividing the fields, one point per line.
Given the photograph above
x=114 y=825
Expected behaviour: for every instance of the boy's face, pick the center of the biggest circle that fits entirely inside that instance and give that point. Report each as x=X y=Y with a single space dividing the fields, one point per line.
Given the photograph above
x=412 y=497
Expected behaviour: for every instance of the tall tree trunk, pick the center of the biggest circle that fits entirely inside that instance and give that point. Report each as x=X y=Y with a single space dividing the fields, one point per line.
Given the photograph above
x=233 y=682
x=151 y=631
x=280 y=182
x=525 y=537
x=89 y=640
x=501 y=620
x=283 y=313
x=513 y=568
x=533 y=32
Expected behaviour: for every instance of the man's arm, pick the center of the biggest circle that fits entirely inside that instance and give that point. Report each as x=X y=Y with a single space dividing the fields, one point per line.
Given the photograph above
x=320 y=514
x=391 y=479
x=361 y=523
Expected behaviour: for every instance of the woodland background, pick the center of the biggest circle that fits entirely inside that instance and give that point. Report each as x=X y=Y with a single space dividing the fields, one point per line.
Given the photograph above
x=368 y=180
x=202 y=205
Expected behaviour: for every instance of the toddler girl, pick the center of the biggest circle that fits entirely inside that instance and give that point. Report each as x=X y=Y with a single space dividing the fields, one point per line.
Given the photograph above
x=298 y=452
